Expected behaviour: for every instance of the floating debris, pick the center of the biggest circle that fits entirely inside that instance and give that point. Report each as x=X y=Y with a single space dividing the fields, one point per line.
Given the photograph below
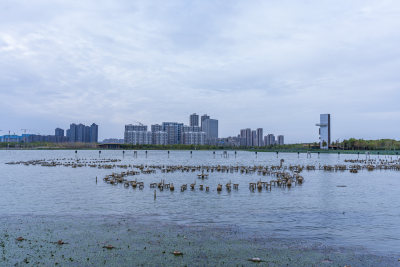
x=60 y=242
x=177 y=253
x=255 y=260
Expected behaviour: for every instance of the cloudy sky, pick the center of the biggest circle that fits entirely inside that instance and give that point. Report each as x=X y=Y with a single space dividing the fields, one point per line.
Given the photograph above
x=270 y=64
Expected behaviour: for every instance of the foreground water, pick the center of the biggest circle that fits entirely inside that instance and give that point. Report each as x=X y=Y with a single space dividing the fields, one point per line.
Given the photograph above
x=51 y=203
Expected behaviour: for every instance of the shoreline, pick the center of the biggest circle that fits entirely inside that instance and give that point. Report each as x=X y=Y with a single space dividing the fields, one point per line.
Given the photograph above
x=313 y=151
x=152 y=242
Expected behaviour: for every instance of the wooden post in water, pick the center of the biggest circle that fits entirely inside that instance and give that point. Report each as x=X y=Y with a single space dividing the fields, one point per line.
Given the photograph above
x=168 y=153
x=155 y=194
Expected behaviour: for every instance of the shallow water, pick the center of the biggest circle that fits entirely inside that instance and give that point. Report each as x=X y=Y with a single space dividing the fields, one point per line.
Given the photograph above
x=363 y=216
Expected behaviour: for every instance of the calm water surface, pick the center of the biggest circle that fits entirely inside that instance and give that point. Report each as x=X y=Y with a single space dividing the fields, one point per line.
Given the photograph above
x=365 y=214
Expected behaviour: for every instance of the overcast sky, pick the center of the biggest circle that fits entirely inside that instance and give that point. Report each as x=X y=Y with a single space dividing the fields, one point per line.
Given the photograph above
x=270 y=64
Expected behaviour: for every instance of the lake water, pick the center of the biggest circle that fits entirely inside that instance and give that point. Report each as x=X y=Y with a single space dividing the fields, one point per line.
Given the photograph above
x=364 y=215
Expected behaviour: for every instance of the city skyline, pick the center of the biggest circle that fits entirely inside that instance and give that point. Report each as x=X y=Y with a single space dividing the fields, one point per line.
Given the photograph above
x=160 y=134
x=173 y=133
x=262 y=64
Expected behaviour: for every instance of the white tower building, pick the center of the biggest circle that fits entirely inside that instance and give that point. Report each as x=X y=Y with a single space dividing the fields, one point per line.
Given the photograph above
x=324 y=131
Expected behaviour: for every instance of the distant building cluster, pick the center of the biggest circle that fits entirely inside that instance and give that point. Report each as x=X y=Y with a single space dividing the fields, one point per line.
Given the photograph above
x=173 y=133
x=79 y=133
x=256 y=138
x=76 y=133
x=32 y=138
x=202 y=130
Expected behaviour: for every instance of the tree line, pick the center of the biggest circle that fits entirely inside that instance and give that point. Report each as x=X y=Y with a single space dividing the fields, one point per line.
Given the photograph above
x=361 y=144
x=347 y=144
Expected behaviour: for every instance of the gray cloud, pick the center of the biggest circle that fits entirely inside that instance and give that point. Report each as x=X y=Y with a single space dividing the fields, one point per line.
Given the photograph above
x=270 y=64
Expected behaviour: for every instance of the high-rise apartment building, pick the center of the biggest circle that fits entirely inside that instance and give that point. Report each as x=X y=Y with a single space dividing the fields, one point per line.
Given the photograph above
x=242 y=137
x=174 y=131
x=194 y=138
x=270 y=140
x=79 y=132
x=59 y=132
x=136 y=127
x=254 y=138
x=324 y=131
x=192 y=135
x=94 y=133
x=280 y=140
x=159 y=138
x=260 y=136
x=191 y=128
x=203 y=118
x=83 y=134
x=137 y=135
x=210 y=127
x=156 y=128
x=194 y=120
x=245 y=135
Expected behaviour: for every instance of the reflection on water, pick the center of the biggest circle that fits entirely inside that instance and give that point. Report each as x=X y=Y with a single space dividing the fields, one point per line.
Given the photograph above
x=365 y=213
